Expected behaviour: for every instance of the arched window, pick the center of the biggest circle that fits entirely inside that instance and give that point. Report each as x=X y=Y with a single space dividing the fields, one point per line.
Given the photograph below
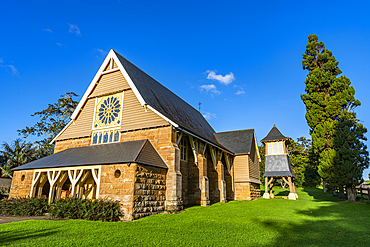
x=95 y=139
x=116 y=136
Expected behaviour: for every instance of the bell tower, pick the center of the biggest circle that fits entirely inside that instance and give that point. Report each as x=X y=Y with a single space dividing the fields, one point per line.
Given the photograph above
x=277 y=163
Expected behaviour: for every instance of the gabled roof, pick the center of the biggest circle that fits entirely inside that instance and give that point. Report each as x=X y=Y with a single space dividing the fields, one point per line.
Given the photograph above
x=274 y=135
x=167 y=103
x=239 y=142
x=158 y=98
x=140 y=151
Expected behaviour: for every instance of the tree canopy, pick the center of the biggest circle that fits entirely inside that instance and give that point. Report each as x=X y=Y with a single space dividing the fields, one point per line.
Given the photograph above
x=52 y=120
x=330 y=104
x=16 y=154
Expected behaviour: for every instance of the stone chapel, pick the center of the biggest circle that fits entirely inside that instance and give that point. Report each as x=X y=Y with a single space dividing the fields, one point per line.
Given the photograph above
x=131 y=139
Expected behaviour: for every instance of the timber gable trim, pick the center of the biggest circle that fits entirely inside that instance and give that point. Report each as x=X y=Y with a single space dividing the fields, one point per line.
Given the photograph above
x=108 y=66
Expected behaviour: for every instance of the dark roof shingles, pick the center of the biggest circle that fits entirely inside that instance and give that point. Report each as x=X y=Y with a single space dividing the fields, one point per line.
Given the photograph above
x=239 y=142
x=273 y=135
x=277 y=166
x=168 y=103
x=113 y=153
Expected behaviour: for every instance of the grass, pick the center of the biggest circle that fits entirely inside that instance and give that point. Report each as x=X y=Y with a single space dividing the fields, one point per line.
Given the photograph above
x=315 y=219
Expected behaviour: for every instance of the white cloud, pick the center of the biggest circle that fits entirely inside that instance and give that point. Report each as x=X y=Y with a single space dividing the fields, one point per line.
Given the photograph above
x=74 y=29
x=60 y=44
x=209 y=116
x=240 y=91
x=211 y=88
x=223 y=79
x=13 y=69
x=47 y=30
x=102 y=52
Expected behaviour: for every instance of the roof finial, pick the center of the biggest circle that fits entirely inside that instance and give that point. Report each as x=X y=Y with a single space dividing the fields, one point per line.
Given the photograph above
x=274 y=126
x=199 y=105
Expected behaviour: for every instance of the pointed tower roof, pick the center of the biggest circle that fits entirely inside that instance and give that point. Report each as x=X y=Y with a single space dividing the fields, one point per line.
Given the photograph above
x=274 y=135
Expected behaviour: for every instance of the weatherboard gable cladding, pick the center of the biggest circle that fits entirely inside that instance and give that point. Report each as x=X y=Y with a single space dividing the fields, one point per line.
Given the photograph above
x=134 y=116
x=82 y=125
x=153 y=97
x=110 y=83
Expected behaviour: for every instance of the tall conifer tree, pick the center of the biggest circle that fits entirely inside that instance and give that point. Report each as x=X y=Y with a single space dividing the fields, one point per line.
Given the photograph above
x=330 y=105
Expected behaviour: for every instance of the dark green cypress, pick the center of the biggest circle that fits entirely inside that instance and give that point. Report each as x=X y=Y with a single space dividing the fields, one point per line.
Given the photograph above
x=330 y=105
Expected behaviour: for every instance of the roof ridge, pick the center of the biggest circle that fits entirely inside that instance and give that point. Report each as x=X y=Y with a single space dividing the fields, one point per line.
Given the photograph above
x=141 y=149
x=159 y=84
x=232 y=131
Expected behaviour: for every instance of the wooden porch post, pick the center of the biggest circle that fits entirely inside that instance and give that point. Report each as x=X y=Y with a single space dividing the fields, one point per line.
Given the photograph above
x=292 y=190
x=266 y=195
x=52 y=177
x=74 y=177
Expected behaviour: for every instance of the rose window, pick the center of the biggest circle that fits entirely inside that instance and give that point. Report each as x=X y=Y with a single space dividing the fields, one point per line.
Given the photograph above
x=108 y=111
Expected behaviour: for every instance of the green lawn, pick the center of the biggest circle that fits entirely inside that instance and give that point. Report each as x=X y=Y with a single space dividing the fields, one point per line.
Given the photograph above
x=313 y=220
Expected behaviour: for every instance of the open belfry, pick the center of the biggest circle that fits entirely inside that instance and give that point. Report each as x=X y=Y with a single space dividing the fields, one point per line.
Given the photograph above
x=133 y=140
x=277 y=163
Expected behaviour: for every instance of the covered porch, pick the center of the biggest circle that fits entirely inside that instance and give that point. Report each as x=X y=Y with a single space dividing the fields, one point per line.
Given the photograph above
x=56 y=183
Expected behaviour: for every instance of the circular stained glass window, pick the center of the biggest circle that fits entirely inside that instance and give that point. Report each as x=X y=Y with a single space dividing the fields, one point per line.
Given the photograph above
x=108 y=110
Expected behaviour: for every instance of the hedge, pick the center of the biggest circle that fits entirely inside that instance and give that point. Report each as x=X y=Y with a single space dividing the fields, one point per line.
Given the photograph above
x=71 y=208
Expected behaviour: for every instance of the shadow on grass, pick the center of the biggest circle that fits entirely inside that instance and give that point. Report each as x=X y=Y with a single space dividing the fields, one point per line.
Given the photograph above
x=319 y=195
x=11 y=236
x=331 y=224
x=283 y=193
x=277 y=191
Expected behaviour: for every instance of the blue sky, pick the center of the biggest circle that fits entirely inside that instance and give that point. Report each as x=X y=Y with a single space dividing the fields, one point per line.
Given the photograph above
x=48 y=48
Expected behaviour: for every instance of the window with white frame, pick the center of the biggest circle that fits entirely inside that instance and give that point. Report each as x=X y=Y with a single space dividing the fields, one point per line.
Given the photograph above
x=275 y=148
x=108 y=111
x=105 y=136
x=107 y=119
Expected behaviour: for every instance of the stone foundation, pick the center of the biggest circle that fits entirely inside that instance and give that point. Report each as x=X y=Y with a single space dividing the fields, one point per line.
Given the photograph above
x=246 y=191
x=21 y=188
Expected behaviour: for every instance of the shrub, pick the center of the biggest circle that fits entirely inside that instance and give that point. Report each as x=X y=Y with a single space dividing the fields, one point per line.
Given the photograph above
x=4 y=192
x=24 y=207
x=73 y=208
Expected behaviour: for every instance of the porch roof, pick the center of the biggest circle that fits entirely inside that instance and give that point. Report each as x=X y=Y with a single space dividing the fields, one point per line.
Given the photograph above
x=139 y=151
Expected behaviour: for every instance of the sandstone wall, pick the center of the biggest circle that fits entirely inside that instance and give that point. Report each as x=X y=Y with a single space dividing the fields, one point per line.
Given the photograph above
x=214 y=192
x=247 y=191
x=21 y=188
x=71 y=143
x=119 y=188
x=229 y=185
x=149 y=191
x=193 y=195
x=164 y=141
